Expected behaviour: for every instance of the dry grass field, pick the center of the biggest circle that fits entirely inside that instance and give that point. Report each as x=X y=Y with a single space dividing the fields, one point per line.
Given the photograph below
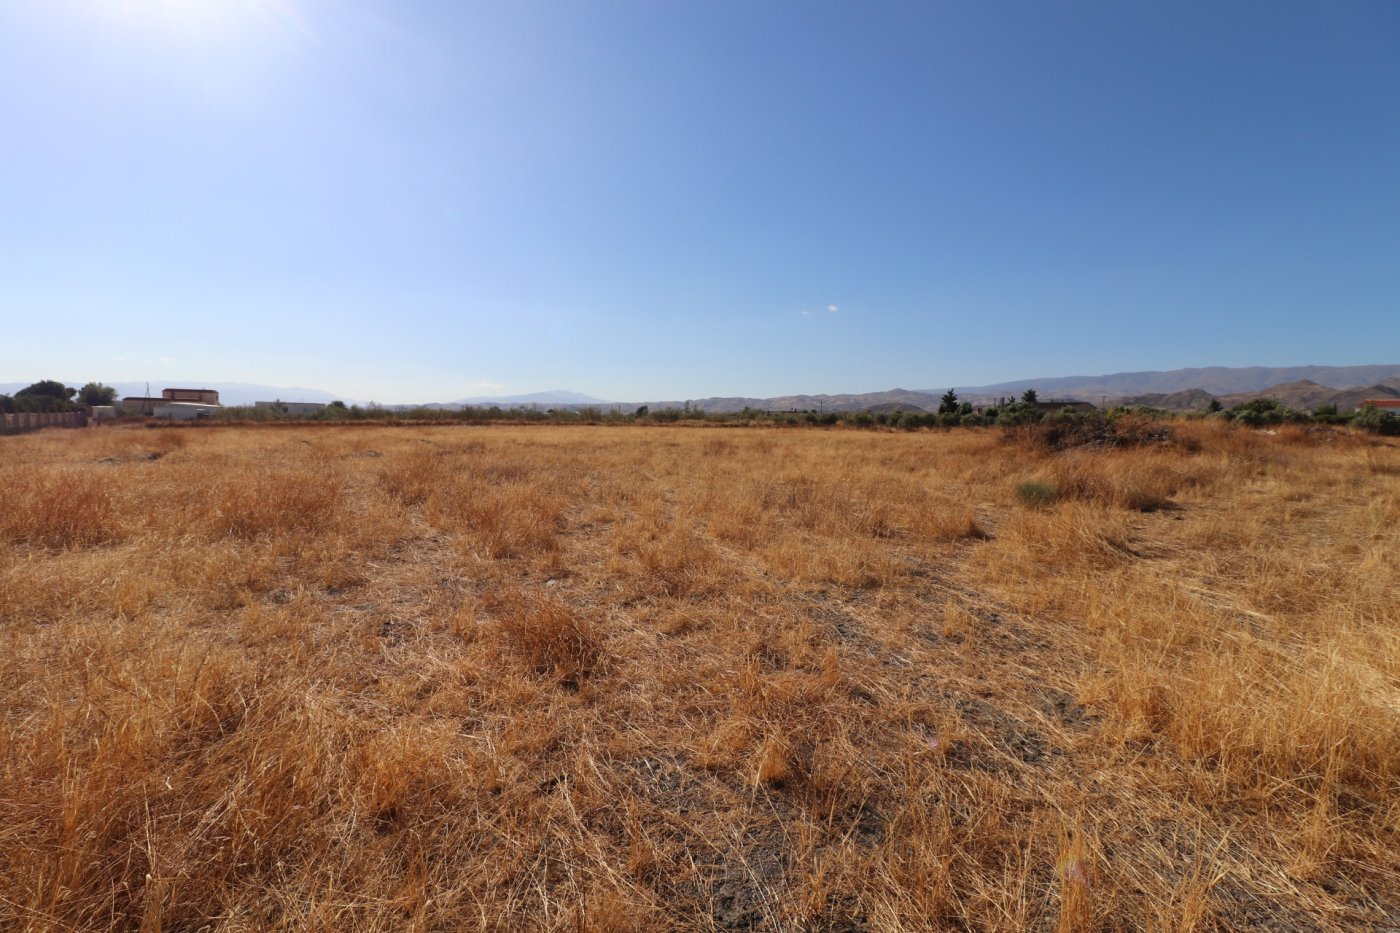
x=644 y=678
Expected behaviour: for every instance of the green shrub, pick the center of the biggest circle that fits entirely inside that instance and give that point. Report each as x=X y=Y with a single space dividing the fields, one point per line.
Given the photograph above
x=1259 y=412
x=1035 y=494
x=1020 y=413
x=1372 y=418
x=1328 y=414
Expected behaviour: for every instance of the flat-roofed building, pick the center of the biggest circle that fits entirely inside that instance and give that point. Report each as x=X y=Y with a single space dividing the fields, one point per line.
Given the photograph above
x=202 y=396
x=141 y=404
x=160 y=407
x=1052 y=405
x=184 y=411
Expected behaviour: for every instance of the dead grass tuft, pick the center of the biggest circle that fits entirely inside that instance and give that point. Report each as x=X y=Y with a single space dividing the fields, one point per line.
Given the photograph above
x=272 y=502
x=56 y=508
x=550 y=638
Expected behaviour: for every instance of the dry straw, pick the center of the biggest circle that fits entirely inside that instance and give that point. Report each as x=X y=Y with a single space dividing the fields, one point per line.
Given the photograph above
x=644 y=678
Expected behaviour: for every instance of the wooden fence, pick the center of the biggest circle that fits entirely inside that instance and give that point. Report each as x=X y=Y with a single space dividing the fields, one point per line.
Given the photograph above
x=23 y=421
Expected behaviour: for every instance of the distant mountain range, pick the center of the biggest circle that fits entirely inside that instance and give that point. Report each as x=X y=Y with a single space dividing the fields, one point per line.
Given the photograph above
x=1215 y=380
x=552 y=397
x=1304 y=395
x=904 y=398
x=1303 y=387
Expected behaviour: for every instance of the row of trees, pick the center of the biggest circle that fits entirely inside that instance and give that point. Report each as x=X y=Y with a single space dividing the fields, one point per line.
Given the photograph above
x=51 y=396
x=47 y=395
x=1262 y=412
x=952 y=412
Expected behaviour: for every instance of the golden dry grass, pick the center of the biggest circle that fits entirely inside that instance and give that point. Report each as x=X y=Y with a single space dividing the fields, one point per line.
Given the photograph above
x=640 y=678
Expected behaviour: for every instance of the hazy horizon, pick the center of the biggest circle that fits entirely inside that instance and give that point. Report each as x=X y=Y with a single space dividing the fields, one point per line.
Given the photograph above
x=423 y=202
x=240 y=392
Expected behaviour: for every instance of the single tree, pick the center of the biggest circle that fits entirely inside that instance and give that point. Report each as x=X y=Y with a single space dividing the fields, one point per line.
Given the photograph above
x=948 y=404
x=1029 y=397
x=45 y=396
x=95 y=393
x=48 y=388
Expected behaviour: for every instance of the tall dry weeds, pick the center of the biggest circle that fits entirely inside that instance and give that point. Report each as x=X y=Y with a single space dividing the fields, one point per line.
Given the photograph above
x=645 y=678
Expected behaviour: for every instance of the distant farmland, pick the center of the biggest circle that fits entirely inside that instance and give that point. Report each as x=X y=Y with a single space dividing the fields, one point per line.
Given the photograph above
x=650 y=678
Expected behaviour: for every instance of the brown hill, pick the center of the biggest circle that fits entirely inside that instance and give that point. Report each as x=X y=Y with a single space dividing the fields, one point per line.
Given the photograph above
x=1306 y=395
x=1348 y=399
x=891 y=407
x=1219 y=380
x=1188 y=400
x=1302 y=394
x=894 y=399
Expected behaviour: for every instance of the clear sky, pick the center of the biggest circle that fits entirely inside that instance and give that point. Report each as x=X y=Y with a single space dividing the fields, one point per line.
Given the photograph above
x=408 y=200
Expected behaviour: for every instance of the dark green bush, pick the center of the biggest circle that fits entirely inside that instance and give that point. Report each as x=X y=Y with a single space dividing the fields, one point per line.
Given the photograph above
x=1372 y=418
x=1259 y=412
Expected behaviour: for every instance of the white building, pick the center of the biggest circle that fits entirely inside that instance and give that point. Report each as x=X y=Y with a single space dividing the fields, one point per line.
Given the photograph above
x=183 y=411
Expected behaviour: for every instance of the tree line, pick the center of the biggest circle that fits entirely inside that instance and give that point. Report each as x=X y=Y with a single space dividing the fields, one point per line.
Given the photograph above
x=48 y=395
x=51 y=396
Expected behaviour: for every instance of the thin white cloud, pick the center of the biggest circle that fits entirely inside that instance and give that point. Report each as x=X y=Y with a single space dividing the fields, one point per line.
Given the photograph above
x=166 y=359
x=832 y=308
x=484 y=386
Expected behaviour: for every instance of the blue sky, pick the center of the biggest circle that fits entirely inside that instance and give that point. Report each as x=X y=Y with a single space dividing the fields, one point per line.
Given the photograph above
x=414 y=201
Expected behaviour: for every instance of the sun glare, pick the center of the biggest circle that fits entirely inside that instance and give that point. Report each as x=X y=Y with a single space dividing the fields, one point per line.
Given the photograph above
x=206 y=18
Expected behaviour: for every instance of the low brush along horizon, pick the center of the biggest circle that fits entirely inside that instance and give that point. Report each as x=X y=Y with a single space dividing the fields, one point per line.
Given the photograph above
x=646 y=677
